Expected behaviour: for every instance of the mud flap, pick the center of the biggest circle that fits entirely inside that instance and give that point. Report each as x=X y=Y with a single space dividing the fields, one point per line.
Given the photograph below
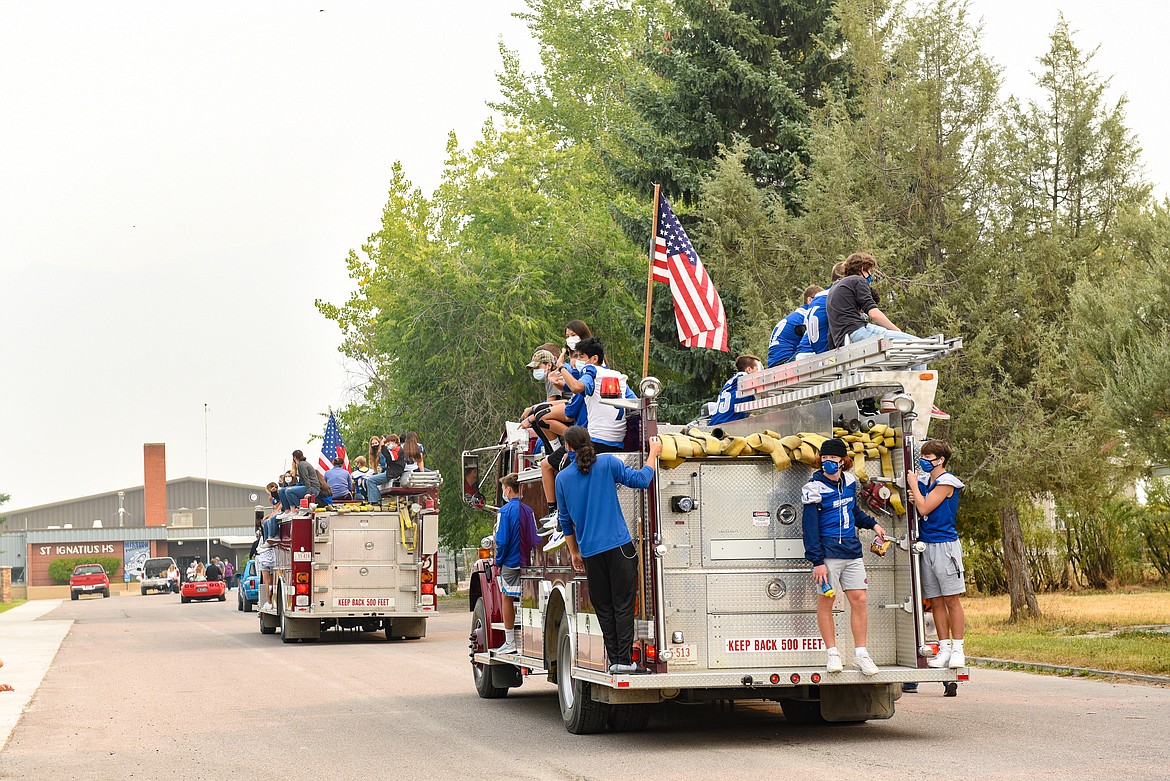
x=858 y=702
x=505 y=675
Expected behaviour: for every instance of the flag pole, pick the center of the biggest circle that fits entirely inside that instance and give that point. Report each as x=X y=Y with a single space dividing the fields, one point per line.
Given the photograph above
x=650 y=282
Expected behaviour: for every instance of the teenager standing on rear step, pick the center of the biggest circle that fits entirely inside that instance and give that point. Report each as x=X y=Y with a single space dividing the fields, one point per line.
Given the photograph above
x=598 y=539
x=936 y=498
x=831 y=519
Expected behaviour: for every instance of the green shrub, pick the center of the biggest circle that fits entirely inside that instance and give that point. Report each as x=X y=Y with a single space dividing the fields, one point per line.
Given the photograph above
x=61 y=569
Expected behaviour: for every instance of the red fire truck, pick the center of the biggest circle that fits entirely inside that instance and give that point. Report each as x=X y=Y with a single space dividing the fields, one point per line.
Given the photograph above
x=360 y=570
x=726 y=604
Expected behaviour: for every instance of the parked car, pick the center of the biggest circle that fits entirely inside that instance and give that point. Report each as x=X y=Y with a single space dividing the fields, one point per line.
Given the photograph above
x=154 y=576
x=88 y=579
x=248 y=595
x=200 y=590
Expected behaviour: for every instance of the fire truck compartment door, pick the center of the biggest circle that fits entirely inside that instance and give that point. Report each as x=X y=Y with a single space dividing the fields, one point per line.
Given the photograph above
x=364 y=577
x=365 y=545
x=430 y=533
x=749 y=514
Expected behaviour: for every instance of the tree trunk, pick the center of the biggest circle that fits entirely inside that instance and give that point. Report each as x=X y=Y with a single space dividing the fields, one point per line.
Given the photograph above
x=1015 y=562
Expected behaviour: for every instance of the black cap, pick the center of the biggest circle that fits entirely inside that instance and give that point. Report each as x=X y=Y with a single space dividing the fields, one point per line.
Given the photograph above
x=834 y=447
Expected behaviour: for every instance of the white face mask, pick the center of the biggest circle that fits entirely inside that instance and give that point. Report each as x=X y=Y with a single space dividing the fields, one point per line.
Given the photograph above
x=539 y=374
x=580 y=364
x=572 y=342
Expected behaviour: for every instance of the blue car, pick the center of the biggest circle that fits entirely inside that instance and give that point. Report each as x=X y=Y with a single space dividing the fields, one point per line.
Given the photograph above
x=249 y=590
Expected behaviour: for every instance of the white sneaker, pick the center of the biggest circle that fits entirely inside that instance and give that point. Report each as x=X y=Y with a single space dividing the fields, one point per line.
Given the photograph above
x=506 y=648
x=834 y=664
x=940 y=660
x=957 y=660
x=550 y=521
x=266 y=606
x=622 y=669
x=556 y=541
x=866 y=664
x=545 y=532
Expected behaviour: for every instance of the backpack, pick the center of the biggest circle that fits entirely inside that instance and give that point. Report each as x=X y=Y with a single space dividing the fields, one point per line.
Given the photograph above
x=529 y=539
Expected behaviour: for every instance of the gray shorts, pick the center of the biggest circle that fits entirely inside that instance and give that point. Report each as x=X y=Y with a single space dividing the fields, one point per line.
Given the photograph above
x=847 y=574
x=267 y=560
x=942 y=570
x=510 y=581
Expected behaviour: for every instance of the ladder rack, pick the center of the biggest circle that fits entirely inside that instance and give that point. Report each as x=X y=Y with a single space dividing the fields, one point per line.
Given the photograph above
x=846 y=367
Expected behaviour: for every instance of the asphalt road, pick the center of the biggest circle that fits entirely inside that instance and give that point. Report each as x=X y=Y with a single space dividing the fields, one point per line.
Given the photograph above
x=146 y=688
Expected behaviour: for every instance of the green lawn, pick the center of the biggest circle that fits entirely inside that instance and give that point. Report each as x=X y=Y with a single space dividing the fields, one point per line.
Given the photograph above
x=9 y=605
x=1058 y=638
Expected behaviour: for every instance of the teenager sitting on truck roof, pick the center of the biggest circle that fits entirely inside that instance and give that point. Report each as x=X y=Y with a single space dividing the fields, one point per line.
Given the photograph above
x=515 y=526
x=787 y=334
x=340 y=480
x=605 y=423
x=854 y=315
x=412 y=453
x=816 y=320
x=360 y=472
x=309 y=483
x=393 y=467
x=729 y=396
x=830 y=521
x=598 y=539
x=936 y=498
x=575 y=332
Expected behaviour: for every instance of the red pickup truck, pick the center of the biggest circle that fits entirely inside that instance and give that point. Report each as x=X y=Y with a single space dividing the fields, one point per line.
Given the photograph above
x=88 y=579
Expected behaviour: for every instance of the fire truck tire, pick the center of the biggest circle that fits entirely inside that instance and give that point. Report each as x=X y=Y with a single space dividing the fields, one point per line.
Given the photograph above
x=802 y=711
x=629 y=718
x=267 y=626
x=581 y=713
x=484 y=685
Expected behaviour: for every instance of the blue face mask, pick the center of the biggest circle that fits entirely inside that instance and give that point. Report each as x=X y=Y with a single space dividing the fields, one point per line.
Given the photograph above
x=869 y=278
x=539 y=374
x=830 y=467
x=925 y=465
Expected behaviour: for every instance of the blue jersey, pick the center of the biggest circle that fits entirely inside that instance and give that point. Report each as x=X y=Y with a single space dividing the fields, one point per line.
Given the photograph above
x=508 y=534
x=939 y=525
x=816 y=326
x=728 y=398
x=831 y=518
x=785 y=337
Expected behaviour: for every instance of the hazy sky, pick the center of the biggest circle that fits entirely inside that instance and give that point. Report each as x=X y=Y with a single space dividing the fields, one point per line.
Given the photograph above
x=179 y=181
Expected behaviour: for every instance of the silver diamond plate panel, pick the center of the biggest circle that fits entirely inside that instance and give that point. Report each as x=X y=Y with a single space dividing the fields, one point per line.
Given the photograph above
x=368 y=576
x=682 y=678
x=365 y=545
x=686 y=611
x=681 y=532
x=749 y=592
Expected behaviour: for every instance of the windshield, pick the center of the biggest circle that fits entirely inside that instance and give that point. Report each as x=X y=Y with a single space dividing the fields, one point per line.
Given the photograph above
x=89 y=569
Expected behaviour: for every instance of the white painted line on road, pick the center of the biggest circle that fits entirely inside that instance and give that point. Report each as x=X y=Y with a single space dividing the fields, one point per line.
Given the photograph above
x=28 y=648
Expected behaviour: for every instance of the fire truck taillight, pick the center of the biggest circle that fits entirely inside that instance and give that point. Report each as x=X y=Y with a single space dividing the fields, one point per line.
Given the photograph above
x=651 y=653
x=428 y=576
x=774 y=678
x=302 y=577
x=795 y=677
x=301 y=588
x=816 y=677
x=428 y=588
x=636 y=653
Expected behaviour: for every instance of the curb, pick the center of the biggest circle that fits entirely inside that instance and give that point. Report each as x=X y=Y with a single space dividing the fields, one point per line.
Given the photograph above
x=1063 y=670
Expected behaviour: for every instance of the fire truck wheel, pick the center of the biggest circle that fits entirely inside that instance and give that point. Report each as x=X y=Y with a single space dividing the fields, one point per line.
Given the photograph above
x=484 y=685
x=802 y=711
x=581 y=713
x=629 y=718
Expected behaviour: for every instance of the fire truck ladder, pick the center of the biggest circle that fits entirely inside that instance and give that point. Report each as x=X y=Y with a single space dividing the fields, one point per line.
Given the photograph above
x=846 y=367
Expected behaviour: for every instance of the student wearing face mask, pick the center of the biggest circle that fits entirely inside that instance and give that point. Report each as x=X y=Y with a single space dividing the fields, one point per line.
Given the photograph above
x=830 y=522
x=853 y=312
x=575 y=332
x=935 y=494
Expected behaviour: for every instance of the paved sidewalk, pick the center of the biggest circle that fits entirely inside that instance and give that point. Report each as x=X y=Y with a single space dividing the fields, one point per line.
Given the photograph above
x=28 y=647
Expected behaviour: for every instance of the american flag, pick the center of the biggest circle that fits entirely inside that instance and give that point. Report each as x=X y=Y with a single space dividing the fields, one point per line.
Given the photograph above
x=332 y=447
x=698 y=310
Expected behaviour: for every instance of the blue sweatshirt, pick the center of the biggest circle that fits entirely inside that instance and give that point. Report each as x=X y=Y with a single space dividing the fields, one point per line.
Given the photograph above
x=939 y=526
x=508 y=534
x=589 y=506
x=831 y=518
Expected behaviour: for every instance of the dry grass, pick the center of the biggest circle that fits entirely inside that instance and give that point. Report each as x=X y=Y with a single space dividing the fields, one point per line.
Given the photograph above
x=1058 y=638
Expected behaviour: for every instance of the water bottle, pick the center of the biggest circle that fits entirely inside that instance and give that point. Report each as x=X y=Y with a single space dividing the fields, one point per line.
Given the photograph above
x=827 y=589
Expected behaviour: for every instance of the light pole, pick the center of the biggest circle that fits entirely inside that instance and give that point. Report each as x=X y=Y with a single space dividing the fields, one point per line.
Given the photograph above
x=207 y=482
x=121 y=509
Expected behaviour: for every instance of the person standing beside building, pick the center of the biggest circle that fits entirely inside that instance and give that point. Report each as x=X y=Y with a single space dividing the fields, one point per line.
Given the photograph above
x=598 y=539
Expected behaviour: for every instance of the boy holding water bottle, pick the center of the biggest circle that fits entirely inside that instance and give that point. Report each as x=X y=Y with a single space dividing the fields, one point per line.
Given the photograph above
x=831 y=519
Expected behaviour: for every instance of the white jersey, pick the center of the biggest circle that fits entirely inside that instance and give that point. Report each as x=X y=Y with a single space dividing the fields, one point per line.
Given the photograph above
x=607 y=424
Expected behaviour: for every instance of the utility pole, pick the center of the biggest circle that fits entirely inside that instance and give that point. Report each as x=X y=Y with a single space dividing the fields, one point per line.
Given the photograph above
x=207 y=482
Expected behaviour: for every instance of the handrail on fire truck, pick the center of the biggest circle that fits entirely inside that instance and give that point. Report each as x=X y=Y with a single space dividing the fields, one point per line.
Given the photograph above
x=840 y=369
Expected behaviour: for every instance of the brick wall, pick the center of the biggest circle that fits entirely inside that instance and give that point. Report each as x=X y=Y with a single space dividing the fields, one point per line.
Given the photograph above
x=154 y=479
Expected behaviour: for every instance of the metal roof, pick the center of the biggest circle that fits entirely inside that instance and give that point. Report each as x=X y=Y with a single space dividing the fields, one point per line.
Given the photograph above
x=114 y=493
